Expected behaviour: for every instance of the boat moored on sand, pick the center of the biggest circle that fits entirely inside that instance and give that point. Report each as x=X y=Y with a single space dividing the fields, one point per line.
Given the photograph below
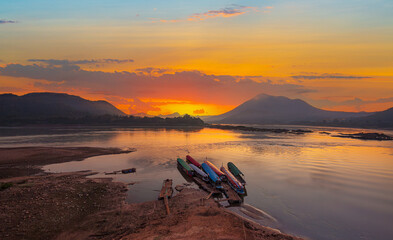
x=185 y=167
x=233 y=182
x=199 y=172
x=193 y=161
x=220 y=174
x=214 y=178
x=236 y=172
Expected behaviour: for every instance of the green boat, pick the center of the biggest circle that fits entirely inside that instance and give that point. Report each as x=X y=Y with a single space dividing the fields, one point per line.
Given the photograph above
x=236 y=172
x=185 y=167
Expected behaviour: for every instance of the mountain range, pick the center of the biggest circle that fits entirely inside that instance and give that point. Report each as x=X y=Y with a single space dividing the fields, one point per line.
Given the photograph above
x=262 y=109
x=266 y=109
x=46 y=105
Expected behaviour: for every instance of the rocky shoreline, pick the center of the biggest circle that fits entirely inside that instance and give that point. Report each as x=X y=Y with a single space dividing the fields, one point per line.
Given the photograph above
x=254 y=129
x=363 y=136
x=366 y=136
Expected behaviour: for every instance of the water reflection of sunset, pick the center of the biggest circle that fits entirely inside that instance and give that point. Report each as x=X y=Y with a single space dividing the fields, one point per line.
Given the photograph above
x=304 y=180
x=171 y=137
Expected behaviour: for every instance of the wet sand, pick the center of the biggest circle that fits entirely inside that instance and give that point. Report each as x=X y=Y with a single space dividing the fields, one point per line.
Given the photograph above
x=25 y=161
x=71 y=206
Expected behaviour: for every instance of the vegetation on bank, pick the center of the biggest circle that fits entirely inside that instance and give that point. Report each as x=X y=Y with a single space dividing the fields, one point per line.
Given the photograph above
x=185 y=120
x=361 y=122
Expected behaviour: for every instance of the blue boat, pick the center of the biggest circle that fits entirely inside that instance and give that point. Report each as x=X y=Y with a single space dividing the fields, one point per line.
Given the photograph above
x=214 y=179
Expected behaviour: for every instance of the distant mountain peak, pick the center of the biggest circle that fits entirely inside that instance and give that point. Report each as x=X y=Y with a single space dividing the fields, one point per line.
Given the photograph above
x=261 y=95
x=267 y=109
x=264 y=96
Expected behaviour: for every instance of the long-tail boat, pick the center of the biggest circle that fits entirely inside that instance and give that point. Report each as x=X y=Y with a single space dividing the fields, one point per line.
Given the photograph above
x=214 y=178
x=216 y=170
x=236 y=172
x=199 y=172
x=193 y=161
x=233 y=182
x=186 y=168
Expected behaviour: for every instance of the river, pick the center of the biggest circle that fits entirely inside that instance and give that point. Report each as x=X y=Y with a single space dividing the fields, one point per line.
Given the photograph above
x=315 y=185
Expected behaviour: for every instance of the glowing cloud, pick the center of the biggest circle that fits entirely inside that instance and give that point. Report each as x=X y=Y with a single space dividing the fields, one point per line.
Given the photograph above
x=137 y=106
x=199 y=111
x=187 y=90
x=328 y=76
x=222 y=13
x=59 y=62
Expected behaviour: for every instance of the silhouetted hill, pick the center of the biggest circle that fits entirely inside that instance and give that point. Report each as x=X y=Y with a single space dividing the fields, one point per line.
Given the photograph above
x=266 y=109
x=48 y=105
x=383 y=119
x=64 y=109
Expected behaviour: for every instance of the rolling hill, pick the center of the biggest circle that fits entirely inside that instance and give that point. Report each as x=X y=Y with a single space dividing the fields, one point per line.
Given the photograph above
x=383 y=119
x=48 y=105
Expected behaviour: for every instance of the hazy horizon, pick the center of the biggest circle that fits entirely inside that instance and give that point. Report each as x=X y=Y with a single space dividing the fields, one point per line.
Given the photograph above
x=175 y=113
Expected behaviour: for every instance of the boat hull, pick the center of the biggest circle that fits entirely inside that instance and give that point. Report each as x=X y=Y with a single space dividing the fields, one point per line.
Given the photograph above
x=213 y=177
x=216 y=170
x=193 y=161
x=199 y=172
x=233 y=182
x=185 y=167
x=236 y=172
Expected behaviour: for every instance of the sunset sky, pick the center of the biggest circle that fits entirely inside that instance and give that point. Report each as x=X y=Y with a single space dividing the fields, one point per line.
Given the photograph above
x=200 y=57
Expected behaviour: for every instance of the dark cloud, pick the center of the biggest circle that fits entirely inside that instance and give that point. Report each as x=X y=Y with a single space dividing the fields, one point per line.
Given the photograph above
x=59 y=62
x=177 y=85
x=327 y=76
x=384 y=100
x=151 y=70
x=357 y=103
x=2 y=21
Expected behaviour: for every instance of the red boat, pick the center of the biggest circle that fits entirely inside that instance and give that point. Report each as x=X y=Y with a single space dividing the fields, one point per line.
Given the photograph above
x=216 y=170
x=193 y=161
x=233 y=182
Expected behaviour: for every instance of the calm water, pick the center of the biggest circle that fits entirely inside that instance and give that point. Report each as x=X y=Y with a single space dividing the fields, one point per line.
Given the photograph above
x=315 y=185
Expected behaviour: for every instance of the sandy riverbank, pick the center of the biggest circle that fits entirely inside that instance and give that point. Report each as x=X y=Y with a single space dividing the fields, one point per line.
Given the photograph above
x=71 y=206
x=23 y=161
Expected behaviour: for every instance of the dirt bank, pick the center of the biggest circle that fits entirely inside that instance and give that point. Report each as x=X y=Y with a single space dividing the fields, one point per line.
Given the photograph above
x=71 y=206
x=24 y=161
x=189 y=219
x=41 y=207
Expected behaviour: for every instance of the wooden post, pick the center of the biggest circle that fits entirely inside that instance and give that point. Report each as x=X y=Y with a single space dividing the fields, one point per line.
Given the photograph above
x=166 y=193
x=167 y=205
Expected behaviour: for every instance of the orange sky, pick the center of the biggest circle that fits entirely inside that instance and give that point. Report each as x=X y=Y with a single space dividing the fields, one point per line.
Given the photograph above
x=201 y=58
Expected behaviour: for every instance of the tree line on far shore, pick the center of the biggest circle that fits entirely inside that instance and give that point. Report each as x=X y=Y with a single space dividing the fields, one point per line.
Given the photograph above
x=107 y=119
